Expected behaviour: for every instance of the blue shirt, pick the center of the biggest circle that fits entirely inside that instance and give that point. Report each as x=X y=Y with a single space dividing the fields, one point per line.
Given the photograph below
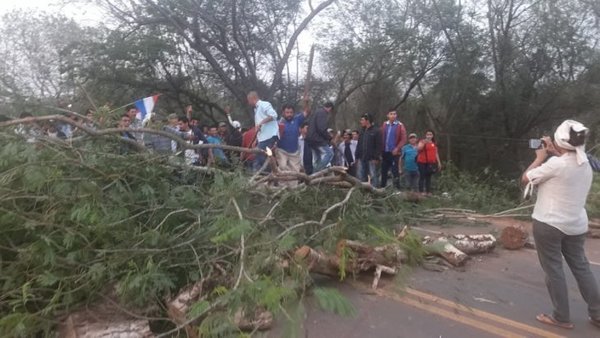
x=291 y=133
x=216 y=151
x=409 y=154
x=390 y=135
x=262 y=110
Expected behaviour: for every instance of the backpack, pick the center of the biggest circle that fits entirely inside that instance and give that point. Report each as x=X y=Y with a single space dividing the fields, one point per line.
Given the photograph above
x=594 y=162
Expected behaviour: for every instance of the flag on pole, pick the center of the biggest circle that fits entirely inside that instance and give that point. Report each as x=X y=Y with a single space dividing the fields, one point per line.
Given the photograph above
x=145 y=107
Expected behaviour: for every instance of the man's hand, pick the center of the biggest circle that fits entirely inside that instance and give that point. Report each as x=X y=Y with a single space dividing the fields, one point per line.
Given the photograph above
x=541 y=154
x=227 y=110
x=550 y=148
x=396 y=151
x=188 y=109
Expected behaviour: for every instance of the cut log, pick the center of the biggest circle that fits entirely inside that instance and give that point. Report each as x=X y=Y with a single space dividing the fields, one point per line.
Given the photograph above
x=474 y=244
x=514 y=238
x=87 y=324
x=378 y=270
x=365 y=257
x=594 y=233
x=178 y=307
x=403 y=233
x=317 y=261
x=447 y=251
x=261 y=320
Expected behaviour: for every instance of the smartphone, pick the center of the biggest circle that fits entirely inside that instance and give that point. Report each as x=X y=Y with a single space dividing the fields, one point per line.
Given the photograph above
x=535 y=143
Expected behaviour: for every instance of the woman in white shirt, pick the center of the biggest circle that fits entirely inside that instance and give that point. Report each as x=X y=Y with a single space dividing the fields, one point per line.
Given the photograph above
x=560 y=221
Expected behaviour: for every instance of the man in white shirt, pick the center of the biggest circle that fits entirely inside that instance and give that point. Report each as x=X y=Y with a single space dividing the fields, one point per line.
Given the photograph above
x=265 y=120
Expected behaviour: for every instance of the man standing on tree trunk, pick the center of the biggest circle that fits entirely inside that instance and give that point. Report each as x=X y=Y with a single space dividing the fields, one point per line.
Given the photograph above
x=289 y=157
x=318 y=139
x=267 y=130
x=394 y=138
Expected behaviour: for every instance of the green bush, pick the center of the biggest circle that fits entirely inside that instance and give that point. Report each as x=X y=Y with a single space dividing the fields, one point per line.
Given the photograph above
x=485 y=192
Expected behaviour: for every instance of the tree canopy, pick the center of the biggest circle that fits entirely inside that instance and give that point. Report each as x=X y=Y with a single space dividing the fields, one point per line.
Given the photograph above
x=484 y=75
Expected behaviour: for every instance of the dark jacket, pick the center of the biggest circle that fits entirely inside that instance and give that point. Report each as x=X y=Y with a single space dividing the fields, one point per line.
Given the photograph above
x=317 y=129
x=370 y=144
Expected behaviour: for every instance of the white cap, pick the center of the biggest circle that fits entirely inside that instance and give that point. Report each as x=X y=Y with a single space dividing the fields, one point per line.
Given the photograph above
x=236 y=124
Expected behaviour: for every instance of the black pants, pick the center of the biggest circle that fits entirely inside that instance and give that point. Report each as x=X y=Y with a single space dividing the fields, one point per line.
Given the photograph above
x=307 y=159
x=424 y=178
x=388 y=162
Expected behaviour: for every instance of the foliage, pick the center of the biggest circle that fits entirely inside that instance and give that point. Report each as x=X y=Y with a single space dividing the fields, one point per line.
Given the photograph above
x=486 y=192
x=80 y=221
x=332 y=300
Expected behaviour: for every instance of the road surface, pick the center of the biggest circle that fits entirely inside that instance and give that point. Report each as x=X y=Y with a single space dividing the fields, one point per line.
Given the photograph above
x=494 y=295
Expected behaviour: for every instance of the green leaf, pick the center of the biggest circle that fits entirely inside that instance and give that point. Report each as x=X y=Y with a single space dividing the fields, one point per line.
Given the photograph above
x=231 y=231
x=48 y=279
x=332 y=300
x=198 y=308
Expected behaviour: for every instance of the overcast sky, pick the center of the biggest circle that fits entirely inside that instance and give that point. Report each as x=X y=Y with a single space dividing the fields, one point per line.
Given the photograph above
x=7 y=5
x=84 y=14
x=90 y=15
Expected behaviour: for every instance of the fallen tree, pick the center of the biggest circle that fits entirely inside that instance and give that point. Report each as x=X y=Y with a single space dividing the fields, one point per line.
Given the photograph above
x=195 y=250
x=184 y=249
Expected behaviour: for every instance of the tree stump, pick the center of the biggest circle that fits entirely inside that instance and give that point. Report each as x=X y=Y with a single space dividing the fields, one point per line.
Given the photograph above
x=514 y=238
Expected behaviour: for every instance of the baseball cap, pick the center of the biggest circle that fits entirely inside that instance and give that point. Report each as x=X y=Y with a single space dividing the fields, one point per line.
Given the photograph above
x=172 y=117
x=411 y=135
x=236 y=124
x=222 y=124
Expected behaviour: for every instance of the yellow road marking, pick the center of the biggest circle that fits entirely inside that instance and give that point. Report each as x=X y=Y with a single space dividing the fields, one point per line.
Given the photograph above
x=453 y=315
x=483 y=314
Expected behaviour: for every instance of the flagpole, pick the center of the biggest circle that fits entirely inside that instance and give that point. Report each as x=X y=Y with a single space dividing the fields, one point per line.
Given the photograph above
x=130 y=103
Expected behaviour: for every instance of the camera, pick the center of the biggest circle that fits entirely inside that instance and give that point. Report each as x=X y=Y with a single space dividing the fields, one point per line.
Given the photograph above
x=536 y=143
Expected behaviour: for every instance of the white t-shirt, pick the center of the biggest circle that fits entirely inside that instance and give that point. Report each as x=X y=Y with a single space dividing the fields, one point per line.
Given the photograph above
x=563 y=186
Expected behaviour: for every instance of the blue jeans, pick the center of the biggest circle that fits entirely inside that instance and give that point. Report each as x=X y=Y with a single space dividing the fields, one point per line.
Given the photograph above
x=412 y=180
x=322 y=156
x=259 y=160
x=368 y=168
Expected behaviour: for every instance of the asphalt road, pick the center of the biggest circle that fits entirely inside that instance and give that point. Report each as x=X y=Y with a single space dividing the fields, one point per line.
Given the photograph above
x=494 y=295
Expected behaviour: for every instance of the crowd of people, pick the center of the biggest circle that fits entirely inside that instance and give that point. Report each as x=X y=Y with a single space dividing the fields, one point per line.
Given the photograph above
x=301 y=142
x=304 y=142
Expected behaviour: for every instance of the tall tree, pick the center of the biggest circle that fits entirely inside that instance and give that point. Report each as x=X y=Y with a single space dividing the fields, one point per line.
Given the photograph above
x=242 y=45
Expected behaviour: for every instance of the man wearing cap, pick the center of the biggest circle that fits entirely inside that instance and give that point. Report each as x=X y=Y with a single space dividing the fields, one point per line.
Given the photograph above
x=394 y=138
x=265 y=121
x=318 y=139
x=409 y=163
x=288 y=153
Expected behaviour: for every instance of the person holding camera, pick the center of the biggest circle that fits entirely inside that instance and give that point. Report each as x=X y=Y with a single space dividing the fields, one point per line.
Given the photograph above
x=560 y=221
x=428 y=161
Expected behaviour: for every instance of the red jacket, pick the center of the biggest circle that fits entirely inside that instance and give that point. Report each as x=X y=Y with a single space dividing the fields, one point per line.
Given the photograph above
x=249 y=141
x=400 y=135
